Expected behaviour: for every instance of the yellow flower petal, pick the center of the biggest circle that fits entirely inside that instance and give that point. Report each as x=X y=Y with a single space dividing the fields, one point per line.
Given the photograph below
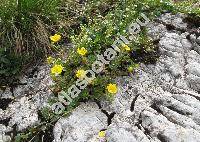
x=80 y=74
x=55 y=38
x=102 y=134
x=126 y=47
x=56 y=69
x=82 y=51
x=130 y=69
x=112 y=88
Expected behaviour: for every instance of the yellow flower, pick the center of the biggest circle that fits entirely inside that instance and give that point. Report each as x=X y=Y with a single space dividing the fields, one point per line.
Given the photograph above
x=82 y=51
x=49 y=60
x=55 y=38
x=130 y=69
x=102 y=134
x=56 y=69
x=112 y=88
x=80 y=74
x=126 y=47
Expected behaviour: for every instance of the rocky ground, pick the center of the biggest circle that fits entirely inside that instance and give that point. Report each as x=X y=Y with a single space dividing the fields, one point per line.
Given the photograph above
x=157 y=103
x=19 y=105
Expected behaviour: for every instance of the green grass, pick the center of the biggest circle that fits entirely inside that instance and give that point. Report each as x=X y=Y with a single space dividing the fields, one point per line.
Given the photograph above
x=18 y=18
x=191 y=7
x=24 y=32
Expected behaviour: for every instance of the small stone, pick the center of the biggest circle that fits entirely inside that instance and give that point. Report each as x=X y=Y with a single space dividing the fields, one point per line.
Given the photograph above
x=198 y=40
x=193 y=37
x=7 y=93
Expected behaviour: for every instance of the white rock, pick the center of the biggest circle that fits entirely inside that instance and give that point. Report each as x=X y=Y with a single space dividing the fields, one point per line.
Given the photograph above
x=198 y=40
x=3 y=136
x=23 y=113
x=175 y=20
x=6 y=94
x=84 y=124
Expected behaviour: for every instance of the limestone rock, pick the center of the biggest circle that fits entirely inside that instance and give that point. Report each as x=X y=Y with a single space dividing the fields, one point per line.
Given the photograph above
x=30 y=95
x=3 y=136
x=175 y=20
x=82 y=125
x=198 y=40
x=23 y=113
x=6 y=93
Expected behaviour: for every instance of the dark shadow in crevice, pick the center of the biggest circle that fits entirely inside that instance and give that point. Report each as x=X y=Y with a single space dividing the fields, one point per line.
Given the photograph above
x=139 y=123
x=109 y=116
x=139 y=126
x=156 y=42
x=140 y=55
x=4 y=102
x=196 y=97
x=192 y=20
x=155 y=107
x=162 y=138
x=5 y=121
x=178 y=111
x=47 y=135
x=133 y=102
x=170 y=27
x=32 y=73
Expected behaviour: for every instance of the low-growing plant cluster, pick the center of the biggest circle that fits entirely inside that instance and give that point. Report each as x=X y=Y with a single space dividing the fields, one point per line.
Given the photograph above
x=102 y=28
x=103 y=24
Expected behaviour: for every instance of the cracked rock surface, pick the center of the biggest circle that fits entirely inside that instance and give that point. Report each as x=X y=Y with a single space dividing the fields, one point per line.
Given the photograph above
x=157 y=103
x=20 y=104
